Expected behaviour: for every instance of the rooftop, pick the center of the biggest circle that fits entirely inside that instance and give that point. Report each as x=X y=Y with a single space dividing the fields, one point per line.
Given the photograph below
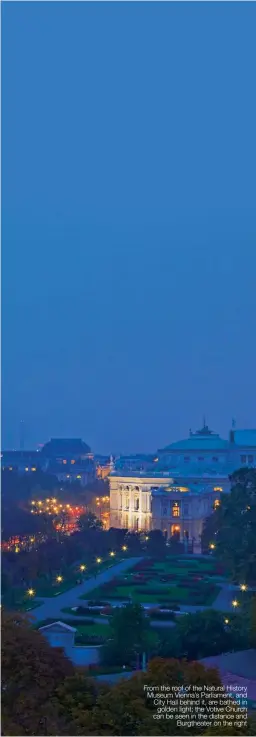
x=245 y=438
x=63 y=446
x=204 y=439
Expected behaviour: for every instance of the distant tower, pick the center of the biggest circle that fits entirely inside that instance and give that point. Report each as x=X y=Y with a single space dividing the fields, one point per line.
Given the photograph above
x=22 y=442
x=233 y=423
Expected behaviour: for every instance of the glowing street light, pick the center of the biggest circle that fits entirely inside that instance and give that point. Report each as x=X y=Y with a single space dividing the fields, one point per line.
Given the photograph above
x=147 y=537
x=112 y=554
x=59 y=579
x=31 y=592
x=212 y=546
x=243 y=587
x=124 y=547
x=17 y=549
x=226 y=621
x=82 y=567
x=235 y=603
x=98 y=560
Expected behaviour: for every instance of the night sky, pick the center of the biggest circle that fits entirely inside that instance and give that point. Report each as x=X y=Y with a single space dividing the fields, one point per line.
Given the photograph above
x=128 y=221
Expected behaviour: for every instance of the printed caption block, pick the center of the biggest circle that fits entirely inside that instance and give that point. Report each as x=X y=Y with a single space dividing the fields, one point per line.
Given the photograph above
x=199 y=706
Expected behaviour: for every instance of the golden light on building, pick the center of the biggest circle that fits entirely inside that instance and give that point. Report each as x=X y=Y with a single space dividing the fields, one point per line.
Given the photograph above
x=82 y=567
x=47 y=501
x=33 y=503
x=32 y=539
x=31 y=592
x=235 y=603
x=243 y=587
x=39 y=503
x=98 y=560
x=218 y=488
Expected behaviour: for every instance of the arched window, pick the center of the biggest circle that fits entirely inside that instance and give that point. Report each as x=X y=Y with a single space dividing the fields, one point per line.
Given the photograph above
x=175 y=509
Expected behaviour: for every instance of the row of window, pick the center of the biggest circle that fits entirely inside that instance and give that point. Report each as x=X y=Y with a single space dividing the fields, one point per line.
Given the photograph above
x=244 y=459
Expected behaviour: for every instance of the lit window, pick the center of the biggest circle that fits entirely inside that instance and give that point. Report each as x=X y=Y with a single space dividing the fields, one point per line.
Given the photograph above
x=79 y=477
x=175 y=510
x=217 y=488
x=243 y=459
x=10 y=468
x=64 y=462
x=33 y=469
x=72 y=462
x=216 y=503
x=68 y=476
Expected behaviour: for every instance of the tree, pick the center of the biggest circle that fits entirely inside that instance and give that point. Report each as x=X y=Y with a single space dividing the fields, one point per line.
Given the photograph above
x=130 y=636
x=31 y=673
x=156 y=544
x=89 y=521
x=232 y=527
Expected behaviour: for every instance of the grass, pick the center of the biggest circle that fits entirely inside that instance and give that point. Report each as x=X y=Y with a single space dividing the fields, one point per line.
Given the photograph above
x=97 y=629
x=164 y=591
x=16 y=598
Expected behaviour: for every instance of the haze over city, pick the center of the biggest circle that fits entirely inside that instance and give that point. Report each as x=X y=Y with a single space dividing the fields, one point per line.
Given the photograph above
x=128 y=219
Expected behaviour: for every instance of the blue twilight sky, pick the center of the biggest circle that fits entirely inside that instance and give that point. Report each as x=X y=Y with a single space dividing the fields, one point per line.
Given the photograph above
x=129 y=221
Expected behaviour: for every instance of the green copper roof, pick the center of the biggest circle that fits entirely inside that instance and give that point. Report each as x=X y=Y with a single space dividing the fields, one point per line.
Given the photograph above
x=203 y=439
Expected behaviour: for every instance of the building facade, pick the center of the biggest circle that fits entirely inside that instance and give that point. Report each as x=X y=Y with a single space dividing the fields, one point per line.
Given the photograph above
x=183 y=485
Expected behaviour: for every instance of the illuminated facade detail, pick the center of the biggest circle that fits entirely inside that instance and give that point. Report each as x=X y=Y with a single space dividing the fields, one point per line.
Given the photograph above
x=175 y=510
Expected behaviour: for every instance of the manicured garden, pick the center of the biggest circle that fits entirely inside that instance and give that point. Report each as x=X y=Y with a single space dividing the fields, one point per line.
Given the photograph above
x=173 y=581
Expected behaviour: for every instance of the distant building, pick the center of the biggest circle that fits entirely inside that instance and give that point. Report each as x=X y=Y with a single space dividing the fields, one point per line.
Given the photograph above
x=60 y=634
x=183 y=484
x=66 y=458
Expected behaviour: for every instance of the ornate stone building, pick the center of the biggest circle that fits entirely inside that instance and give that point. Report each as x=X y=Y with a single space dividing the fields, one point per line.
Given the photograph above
x=182 y=486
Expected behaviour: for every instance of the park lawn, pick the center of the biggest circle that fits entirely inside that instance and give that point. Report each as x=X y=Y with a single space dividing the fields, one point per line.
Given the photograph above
x=95 y=629
x=45 y=588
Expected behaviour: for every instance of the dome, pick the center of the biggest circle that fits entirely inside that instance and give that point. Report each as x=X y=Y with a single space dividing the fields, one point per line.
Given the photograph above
x=204 y=439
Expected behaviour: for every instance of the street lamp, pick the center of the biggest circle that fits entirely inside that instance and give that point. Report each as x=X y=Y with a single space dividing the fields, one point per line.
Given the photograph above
x=226 y=621
x=82 y=567
x=59 y=579
x=243 y=587
x=124 y=547
x=235 y=603
x=212 y=546
x=98 y=560
x=31 y=592
x=112 y=554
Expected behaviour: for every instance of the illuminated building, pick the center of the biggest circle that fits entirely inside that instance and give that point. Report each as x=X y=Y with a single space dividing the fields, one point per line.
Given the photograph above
x=181 y=487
